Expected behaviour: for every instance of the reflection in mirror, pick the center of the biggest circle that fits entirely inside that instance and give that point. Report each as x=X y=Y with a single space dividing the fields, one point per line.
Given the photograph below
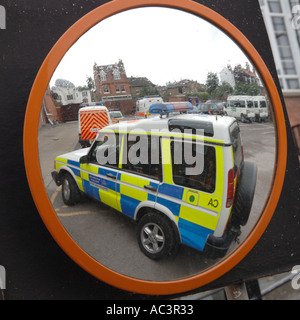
x=205 y=86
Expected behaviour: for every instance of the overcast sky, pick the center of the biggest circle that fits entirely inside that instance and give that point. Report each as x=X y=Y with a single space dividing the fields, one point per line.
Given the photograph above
x=161 y=44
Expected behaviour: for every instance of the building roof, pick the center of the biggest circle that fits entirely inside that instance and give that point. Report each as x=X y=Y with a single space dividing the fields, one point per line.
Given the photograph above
x=110 y=67
x=139 y=82
x=64 y=83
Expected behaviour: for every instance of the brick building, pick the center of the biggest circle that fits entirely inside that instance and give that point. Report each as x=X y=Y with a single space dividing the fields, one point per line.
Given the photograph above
x=141 y=86
x=179 y=90
x=111 y=82
x=50 y=112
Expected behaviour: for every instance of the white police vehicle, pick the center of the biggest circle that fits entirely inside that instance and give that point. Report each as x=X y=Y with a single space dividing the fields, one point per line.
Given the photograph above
x=182 y=178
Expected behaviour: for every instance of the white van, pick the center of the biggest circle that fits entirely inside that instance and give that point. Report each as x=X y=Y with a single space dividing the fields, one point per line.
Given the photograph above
x=241 y=107
x=261 y=108
x=247 y=108
x=143 y=105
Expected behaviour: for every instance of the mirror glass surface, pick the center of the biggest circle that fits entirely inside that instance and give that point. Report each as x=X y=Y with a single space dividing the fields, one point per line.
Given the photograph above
x=179 y=57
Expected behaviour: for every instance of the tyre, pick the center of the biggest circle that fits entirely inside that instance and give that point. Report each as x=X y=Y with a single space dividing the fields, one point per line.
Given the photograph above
x=70 y=191
x=155 y=235
x=243 y=118
x=244 y=194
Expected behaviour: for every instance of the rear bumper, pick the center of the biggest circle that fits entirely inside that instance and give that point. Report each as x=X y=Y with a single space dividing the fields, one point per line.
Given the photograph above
x=216 y=247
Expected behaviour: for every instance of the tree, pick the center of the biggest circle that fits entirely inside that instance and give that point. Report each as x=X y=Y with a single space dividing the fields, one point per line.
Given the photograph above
x=90 y=83
x=212 y=82
x=251 y=89
x=222 y=91
x=148 y=91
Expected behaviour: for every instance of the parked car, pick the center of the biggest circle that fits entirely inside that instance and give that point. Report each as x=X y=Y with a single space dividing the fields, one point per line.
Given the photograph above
x=174 y=201
x=211 y=108
x=116 y=116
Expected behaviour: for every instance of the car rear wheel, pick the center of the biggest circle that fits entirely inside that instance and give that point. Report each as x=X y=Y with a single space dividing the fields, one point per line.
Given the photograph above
x=244 y=194
x=155 y=235
x=70 y=191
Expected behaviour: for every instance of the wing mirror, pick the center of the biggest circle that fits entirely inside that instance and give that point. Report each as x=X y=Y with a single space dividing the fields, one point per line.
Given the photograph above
x=84 y=159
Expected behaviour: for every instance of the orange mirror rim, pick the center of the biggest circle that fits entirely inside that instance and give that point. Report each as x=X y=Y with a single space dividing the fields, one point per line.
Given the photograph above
x=34 y=175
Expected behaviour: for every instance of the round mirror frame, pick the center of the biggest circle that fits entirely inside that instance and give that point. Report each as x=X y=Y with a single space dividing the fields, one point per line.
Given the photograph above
x=34 y=175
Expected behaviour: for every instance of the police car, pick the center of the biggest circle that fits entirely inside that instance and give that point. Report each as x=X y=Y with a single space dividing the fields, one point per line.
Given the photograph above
x=181 y=177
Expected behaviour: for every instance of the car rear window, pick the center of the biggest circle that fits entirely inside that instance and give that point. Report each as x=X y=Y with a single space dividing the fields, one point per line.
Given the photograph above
x=204 y=180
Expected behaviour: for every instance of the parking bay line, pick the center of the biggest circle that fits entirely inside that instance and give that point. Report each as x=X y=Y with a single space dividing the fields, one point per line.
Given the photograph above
x=71 y=214
x=53 y=197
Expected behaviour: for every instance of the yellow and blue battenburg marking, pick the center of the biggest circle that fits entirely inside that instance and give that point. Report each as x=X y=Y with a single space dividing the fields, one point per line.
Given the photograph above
x=196 y=212
x=194 y=225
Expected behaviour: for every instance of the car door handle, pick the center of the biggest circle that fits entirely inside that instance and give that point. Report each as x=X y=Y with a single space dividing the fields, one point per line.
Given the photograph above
x=149 y=187
x=110 y=175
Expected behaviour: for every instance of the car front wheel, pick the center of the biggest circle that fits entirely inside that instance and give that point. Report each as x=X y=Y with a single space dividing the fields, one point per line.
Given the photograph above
x=155 y=235
x=70 y=191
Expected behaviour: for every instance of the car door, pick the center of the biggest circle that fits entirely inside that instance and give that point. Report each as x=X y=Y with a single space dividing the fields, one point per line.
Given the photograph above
x=190 y=191
x=100 y=174
x=139 y=177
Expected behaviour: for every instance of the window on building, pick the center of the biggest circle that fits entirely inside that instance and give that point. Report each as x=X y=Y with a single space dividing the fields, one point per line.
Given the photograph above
x=102 y=75
x=289 y=67
x=123 y=88
x=69 y=97
x=294 y=5
x=105 y=89
x=293 y=84
x=116 y=74
x=284 y=47
x=275 y=6
x=117 y=89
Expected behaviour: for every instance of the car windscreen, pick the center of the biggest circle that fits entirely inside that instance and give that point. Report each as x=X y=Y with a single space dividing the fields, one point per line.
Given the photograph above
x=115 y=114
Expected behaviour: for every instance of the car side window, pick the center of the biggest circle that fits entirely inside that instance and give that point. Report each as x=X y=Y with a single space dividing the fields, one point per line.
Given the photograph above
x=250 y=104
x=105 y=150
x=205 y=180
x=263 y=104
x=142 y=155
x=237 y=103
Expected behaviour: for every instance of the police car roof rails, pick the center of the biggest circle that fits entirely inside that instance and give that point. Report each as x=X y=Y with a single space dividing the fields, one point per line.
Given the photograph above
x=170 y=107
